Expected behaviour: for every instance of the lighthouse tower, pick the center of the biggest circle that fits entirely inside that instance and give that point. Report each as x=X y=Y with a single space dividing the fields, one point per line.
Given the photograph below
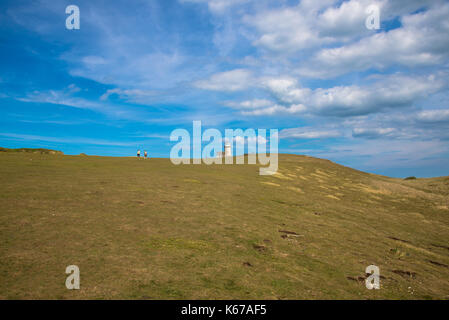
x=227 y=150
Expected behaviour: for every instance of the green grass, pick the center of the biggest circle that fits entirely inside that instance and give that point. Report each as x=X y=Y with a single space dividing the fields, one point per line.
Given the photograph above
x=147 y=229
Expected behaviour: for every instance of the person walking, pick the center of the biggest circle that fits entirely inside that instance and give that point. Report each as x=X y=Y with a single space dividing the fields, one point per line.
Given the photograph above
x=138 y=154
x=145 y=154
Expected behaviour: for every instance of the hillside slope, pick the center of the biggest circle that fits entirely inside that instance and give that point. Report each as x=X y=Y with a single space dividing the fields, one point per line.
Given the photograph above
x=32 y=150
x=146 y=229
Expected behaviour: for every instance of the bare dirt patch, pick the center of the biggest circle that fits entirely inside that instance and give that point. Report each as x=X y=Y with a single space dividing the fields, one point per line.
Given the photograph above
x=404 y=273
x=438 y=264
x=259 y=248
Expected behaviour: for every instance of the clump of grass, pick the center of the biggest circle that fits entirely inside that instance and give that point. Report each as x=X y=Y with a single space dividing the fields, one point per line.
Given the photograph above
x=399 y=252
x=410 y=178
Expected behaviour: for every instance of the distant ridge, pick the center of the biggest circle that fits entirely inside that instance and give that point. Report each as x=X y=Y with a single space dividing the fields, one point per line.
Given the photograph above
x=32 y=150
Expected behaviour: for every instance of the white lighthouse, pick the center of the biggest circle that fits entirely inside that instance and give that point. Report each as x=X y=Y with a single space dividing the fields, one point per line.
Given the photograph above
x=227 y=150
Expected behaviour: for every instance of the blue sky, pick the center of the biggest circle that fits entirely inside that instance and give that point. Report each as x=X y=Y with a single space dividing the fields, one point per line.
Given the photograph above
x=375 y=100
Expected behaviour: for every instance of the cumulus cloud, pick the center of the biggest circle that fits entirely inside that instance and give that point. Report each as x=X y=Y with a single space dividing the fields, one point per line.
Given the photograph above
x=380 y=94
x=283 y=30
x=345 y=21
x=387 y=92
x=286 y=89
x=421 y=41
x=310 y=24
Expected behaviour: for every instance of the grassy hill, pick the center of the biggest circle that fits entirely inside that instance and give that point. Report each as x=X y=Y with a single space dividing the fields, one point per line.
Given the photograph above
x=146 y=229
x=32 y=150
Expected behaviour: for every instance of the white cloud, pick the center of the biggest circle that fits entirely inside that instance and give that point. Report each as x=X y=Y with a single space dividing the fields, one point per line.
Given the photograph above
x=286 y=89
x=260 y=107
x=387 y=153
x=250 y=104
x=309 y=133
x=417 y=125
x=131 y=95
x=132 y=70
x=67 y=97
x=440 y=115
x=72 y=88
x=276 y=110
x=387 y=92
x=234 y=80
x=310 y=24
x=283 y=30
x=345 y=21
x=218 y=6
x=93 y=60
x=373 y=132
x=383 y=93
x=62 y=97
x=251 y=139
x=421 y=41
